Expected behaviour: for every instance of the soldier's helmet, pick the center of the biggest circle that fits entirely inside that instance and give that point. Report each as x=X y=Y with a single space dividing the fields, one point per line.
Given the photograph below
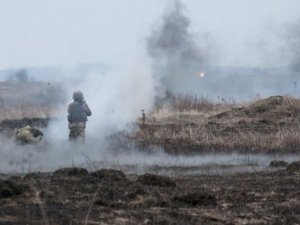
x=78 y=95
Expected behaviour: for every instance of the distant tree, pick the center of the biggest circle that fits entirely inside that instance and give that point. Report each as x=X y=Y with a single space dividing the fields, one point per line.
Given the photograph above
x=20 y=75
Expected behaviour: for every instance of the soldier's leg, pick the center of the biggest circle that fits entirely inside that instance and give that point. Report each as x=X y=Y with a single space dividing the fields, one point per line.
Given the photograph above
x=72 y=135
x=81 y=136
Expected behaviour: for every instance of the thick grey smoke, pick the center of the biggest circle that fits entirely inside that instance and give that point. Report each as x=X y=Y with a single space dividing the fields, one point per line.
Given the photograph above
x=116 y=99
x=172 y=43
x=177 y=54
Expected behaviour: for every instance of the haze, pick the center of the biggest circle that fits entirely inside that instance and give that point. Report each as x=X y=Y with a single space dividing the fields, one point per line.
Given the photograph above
x=37 y=33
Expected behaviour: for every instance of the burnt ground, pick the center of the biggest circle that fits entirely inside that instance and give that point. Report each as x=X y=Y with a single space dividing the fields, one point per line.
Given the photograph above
x=76 y=196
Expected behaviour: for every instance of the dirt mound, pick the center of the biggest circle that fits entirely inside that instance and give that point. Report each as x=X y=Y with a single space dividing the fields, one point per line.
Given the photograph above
x=109 y=175
x=274 y=107
x=9 y=189
x=72 y=172
x=265 y=105
x=294 y=167
x=278 y=163
x=197 y=199
x=155 y=180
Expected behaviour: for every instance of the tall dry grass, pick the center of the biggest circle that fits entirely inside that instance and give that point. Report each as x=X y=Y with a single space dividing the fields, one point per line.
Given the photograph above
x=191 y=102
x=30 y=99
x=189 y=108
x=191 y=124
x=26 y=109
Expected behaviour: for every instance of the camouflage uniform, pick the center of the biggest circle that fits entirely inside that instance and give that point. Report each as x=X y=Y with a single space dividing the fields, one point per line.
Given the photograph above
x=28 y=135
x=78 y=113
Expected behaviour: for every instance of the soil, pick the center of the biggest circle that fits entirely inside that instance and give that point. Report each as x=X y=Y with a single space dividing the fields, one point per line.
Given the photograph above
x=72 y=196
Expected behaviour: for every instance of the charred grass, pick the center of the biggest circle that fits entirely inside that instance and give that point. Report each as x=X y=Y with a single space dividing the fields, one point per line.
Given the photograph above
x=69 y=197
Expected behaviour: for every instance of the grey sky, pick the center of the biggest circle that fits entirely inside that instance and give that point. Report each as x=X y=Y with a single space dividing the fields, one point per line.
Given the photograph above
x=57 y=32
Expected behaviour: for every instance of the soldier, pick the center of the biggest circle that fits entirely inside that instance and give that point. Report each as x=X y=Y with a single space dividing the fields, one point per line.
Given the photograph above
x=28 y=135
x=78 y=113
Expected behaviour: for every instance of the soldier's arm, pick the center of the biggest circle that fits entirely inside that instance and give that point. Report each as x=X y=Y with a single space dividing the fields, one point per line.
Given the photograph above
x=87 y=109
x=34 y=139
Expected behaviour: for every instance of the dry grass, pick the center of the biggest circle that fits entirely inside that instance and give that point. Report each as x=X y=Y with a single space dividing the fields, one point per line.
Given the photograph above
x=265 y=125
x=190 y=103
x=189 y=108
x=29 y=99
x=184 y=123
x=26 y=110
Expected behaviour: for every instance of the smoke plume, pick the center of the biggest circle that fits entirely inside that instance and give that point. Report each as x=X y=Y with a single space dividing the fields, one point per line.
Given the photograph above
x=116 y=99
x=176 y=55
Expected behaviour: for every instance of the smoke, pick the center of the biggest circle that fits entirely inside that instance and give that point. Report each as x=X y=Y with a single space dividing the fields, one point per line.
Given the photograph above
x=293 y=41
x=177 y=54
x=26 y=159
x=115 y=98
x=179 y=57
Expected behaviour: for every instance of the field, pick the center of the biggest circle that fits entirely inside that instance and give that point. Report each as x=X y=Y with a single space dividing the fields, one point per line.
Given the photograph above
x=74 y=196
x=268 y=125
x=29 y=99
x=182 y=126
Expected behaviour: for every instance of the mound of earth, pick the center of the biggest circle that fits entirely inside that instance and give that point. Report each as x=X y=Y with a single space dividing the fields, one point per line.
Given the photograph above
x=294 y=167
x=197 y=199
x=109 y=175
x=274 y=107
x=9 y=189
x=265 y=105
x=155 y=180
x=73 y=172
x=278 y=163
